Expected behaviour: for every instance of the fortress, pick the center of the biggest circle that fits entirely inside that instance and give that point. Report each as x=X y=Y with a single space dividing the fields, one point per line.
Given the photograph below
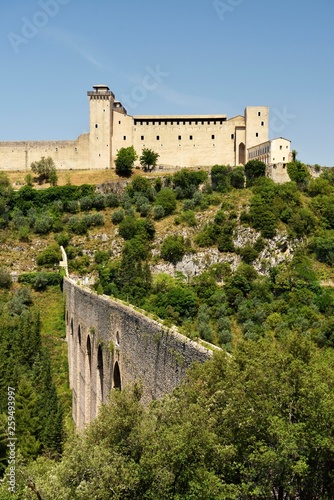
x=180 y=141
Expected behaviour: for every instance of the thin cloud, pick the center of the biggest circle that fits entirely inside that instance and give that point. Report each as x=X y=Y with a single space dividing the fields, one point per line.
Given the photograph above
x=75 y=43
x=193 y=102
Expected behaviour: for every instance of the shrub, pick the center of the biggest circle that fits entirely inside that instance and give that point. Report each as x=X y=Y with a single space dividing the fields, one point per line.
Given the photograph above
x=128 y=228
x=167 y=199
x=111 y=200
x=188 y=217
x=94 y=220
x=40 y=281
x=77 y=225
x=117 y=216
x=72 y=206
x=24 y=233
x=43 y=224
x=63 y=239
x=189 y=204
x=225 y=243
x=187 y=181
x=86 y=203
x=5 y=279
x=101 y=256
x=248 y=253
x=99 y=201
x=173 y=248
x=49 y=256
x=145 y=209
x=158 y=212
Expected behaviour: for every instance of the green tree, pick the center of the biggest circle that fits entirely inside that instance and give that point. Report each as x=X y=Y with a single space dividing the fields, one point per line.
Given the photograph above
x=166 y=198
x=253 y=170
x=237 y=177
x=45 y=169
x=298 y=172
x=125 y=160
x=220 y=178
x=148 y=159
x=173 y=248
x=27 y=419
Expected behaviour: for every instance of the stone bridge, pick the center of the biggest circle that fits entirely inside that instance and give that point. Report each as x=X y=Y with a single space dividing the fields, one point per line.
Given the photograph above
x=111 y=345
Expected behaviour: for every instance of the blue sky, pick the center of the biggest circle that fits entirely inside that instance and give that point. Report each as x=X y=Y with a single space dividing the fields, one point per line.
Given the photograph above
x=206 y=57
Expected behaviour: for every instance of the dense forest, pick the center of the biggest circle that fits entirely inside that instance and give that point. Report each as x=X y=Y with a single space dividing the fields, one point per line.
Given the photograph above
x=256 y=421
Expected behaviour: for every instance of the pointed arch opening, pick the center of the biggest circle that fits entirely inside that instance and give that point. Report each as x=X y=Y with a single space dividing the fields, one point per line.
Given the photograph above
x=100 y=374
x=79 y=335
x=117 y=377
x=88 y=381
x=242 y=153
x=89 y=353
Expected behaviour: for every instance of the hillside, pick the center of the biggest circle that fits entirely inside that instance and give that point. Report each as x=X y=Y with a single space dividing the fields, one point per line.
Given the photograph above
x=231 y=258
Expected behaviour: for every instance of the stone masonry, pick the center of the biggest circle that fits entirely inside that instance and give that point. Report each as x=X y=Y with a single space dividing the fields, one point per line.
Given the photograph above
x=111 y=345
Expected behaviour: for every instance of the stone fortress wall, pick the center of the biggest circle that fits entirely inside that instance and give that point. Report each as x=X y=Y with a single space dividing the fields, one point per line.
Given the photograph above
x=181 y=141
x=111 y=345
x=67 y=155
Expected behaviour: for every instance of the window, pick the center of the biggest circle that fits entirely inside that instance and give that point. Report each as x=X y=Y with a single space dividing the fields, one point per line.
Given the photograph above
x=262 y=124
x=257 y=134
x=158 y=137
x=119 y=122
x=142 y=137
x=281 y=147
x=96 y=125
x=179 y=137
x=283 y=158
x=159 y=123
x=177 y=123
x=190 y=137
x=213 y=137
x=232 y=136
x=259 y=113
x=124 y=137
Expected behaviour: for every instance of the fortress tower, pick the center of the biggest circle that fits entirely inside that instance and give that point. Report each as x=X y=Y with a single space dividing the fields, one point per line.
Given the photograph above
x=101 y=103
x=257 y=126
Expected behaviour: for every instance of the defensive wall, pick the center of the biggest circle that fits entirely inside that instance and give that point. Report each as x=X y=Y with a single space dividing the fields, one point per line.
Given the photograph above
x=67 y=155
x=111 y=345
